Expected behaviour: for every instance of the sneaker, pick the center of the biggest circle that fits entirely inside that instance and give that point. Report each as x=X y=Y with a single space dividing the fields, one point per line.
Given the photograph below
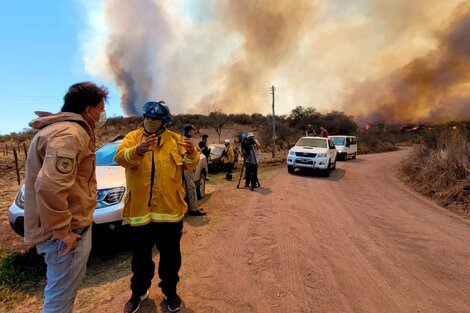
x=198 y=212
x=173 y=304
x=133 y=305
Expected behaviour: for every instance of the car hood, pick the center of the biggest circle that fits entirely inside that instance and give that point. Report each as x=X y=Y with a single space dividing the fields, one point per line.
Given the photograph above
x=110 y=176
x=309 y=149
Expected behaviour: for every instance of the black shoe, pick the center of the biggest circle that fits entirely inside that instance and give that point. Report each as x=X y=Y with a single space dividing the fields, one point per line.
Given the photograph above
x=173 y=304
x=198 y=212
x=133 y=305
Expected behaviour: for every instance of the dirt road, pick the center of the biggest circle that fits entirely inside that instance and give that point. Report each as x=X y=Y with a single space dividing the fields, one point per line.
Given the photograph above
x=357 y=241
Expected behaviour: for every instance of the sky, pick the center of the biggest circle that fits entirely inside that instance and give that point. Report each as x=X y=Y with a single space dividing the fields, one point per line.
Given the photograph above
x=40 y=58
x=377 y=60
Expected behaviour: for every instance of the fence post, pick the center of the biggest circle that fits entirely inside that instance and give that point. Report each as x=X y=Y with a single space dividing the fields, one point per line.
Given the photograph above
x=25 y=151
x=17 y=166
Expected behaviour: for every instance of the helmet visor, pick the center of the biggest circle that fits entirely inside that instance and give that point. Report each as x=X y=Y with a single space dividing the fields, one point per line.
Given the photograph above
x=154 y=109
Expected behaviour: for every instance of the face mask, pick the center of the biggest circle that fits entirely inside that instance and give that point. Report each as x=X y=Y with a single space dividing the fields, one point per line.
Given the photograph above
x=102 y=120
x=151 y=126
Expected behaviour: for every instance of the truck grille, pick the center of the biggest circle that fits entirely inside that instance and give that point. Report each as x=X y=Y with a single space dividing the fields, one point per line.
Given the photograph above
x=306 y=154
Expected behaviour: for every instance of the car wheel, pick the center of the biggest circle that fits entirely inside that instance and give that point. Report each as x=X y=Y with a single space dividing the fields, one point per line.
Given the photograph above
x=334 y=165
x=326 y=172
x=354 y=156
x=290 y=169
x=201 y=186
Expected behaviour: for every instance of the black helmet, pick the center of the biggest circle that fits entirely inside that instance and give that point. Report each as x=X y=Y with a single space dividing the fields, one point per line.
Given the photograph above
x=188 y=127
x=157 y=110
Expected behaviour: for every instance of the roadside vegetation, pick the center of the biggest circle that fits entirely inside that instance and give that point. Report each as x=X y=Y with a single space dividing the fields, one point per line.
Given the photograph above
x=439 y=167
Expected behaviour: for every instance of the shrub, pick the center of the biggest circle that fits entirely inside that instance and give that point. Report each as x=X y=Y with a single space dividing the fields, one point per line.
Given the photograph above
x=374 y=142
x=441 y=169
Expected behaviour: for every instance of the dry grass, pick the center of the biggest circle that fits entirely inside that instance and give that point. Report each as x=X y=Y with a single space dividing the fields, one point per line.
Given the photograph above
x=441 y=170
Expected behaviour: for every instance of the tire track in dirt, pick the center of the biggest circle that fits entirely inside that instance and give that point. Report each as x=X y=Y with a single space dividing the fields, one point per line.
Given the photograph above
x=356 y=241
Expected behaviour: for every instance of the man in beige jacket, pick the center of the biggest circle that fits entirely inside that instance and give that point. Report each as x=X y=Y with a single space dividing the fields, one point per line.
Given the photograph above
x=60 y=187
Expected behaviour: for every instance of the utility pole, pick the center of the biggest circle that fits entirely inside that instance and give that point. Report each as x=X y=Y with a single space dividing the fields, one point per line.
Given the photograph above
x=274 y=126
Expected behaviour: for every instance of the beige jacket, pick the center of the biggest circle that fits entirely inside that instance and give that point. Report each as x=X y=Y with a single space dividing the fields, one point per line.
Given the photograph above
x=60 y=182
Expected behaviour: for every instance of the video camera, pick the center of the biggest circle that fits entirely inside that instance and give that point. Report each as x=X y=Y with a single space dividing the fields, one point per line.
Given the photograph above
x=247 y=144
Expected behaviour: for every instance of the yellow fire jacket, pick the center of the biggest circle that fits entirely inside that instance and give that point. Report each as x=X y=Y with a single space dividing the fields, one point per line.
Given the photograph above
x=155 y=193
x=228 y=156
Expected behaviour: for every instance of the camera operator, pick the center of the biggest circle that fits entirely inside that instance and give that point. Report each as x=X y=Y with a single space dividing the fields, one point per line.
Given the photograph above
x=251 y=152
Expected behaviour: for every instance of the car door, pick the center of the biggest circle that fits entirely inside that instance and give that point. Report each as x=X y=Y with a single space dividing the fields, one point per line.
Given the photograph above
x=331 y=151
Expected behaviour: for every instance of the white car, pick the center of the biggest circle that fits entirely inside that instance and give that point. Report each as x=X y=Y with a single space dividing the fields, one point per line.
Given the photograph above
x=314 y=153
x=346 y=146
x=111 y=189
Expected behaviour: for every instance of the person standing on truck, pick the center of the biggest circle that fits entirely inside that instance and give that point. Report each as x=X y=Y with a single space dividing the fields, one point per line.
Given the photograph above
x=323 y=132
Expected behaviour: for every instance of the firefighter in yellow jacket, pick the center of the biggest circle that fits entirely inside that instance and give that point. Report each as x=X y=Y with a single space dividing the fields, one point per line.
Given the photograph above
x=228 y=156
x=154 y=158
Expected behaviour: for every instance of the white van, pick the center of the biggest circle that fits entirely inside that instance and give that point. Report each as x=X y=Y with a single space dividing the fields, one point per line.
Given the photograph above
x=346 y=146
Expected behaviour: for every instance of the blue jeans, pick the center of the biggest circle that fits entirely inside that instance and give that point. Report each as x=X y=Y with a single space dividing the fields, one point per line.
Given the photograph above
x=64 y=273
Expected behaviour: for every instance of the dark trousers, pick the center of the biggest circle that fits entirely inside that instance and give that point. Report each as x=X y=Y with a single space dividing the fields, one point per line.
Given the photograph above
x=251 y=174
x=228 y=171
x=166 y=237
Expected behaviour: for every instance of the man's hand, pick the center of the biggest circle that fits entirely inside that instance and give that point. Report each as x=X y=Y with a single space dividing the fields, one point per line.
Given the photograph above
x=188 y=145
x=71 y=242
x=147 y=145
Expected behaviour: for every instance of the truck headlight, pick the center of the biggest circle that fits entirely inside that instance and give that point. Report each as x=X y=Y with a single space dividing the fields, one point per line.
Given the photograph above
x=321 y=155
x=111 y=196
x=291 y=152
x=19 y=200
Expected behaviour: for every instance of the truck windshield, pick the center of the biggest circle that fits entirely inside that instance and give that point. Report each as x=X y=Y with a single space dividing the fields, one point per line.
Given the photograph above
x=312 y=142
x=338 y=141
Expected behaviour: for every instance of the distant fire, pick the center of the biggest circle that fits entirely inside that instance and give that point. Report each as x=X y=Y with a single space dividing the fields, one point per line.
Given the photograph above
x=432 y=88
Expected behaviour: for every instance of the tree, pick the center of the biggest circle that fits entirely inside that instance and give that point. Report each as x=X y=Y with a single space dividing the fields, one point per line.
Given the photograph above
x=300 y=117
x=339 y=123
x=217 y=120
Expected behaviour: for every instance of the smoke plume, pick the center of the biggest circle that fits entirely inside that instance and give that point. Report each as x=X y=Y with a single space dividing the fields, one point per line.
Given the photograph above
x=389 y=60
x=433 y=88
